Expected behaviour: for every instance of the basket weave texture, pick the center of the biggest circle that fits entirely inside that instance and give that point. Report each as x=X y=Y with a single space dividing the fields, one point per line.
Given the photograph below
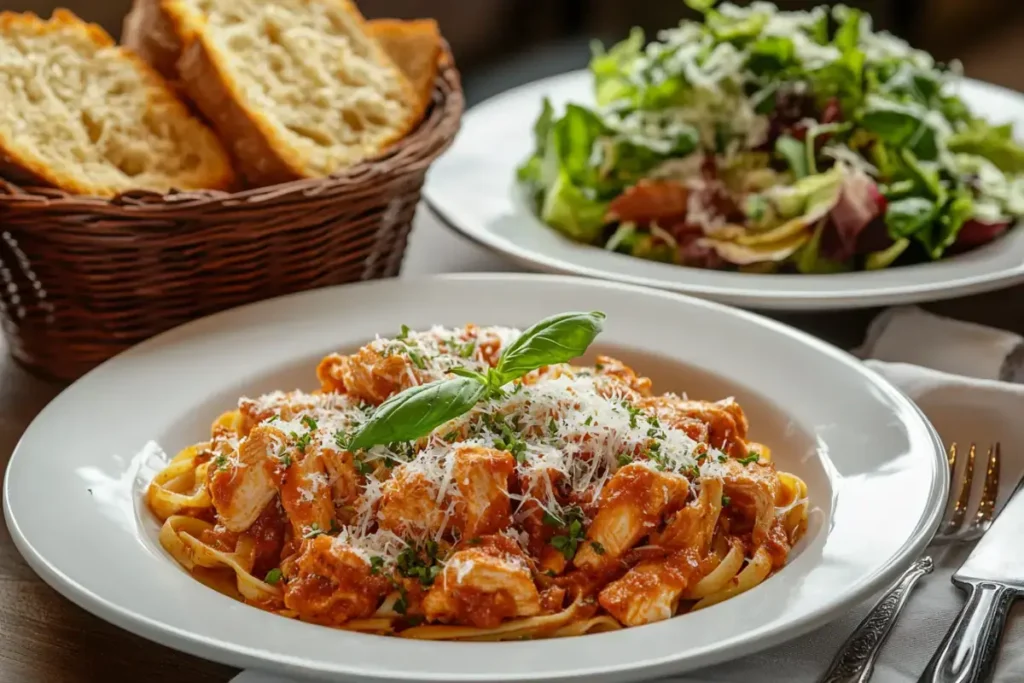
x=83 y=278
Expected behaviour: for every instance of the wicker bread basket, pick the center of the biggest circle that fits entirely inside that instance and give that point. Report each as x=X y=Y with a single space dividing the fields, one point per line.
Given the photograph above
x=83 y=278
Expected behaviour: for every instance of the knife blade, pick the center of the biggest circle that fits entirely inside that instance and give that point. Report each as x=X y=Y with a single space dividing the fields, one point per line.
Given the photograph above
x=993 y=578
x=999 y=555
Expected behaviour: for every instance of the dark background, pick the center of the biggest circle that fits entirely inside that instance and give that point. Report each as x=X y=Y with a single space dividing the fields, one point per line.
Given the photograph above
x=502 y=43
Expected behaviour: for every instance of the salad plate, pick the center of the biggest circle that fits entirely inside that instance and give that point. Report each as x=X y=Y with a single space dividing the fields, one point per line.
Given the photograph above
x=873 y=466
x=751 y=159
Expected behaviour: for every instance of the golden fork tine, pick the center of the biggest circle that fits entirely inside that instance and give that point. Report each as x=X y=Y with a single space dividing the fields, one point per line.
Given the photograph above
x=987 y=506
x=964 y=499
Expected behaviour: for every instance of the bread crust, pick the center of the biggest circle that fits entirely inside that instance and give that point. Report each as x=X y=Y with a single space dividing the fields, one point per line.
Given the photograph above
x=18 y=165
x=415 y=47
x=148 y=31
x=261 y=156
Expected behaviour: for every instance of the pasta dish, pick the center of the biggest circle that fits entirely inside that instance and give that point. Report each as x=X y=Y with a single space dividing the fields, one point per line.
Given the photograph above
x=477 y=484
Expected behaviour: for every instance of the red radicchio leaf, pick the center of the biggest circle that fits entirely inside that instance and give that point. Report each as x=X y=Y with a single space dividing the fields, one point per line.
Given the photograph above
x=693 y=253
x=859 y=204
x=975 y=233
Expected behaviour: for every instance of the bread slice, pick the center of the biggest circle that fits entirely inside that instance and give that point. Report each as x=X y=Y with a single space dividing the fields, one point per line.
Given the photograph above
x=80 y=114
x=149 y=33
x=415 y=47
x=296 y=88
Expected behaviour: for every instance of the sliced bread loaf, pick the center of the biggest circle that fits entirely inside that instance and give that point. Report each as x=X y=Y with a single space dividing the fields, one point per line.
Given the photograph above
x=80 y=114
x=415 y=47
x=149 y=33
x=296 y=88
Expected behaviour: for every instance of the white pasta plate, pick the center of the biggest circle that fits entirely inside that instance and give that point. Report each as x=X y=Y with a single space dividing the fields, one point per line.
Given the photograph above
x=473 y=189
x=74 y=490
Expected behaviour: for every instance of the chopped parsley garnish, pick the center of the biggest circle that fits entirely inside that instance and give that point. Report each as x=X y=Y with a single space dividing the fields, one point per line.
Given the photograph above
x=511 y=442
x=362 y=467
x=550 y=572
x=568 y=543
x=419 y=562
x=341 y=440
x=589 y=421
x=726 y=500
x=451 y=437
x=417 y=359
x=722 y=458
x=624 y=459
x=308 y=421
x=301 y=442
x=273 y=576
x=598 y=548
x=553 y=427
x=404 y=334
x=571 y=524
x=598 y=366
x=376 y=563
x=402 y=603
x=751 y=457
x=634 y=413
x=273 y=418
x=221 y=461
x=467 y=349
x=285 y=459
x=313 y=531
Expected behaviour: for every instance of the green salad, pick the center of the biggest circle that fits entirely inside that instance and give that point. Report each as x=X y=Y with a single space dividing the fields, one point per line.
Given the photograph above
x=769 y=141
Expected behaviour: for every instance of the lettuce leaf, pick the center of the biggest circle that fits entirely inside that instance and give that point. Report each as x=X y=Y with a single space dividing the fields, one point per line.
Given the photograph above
x=905 y=217
x=613 y=69
x=795 y=154
x=994 y=143
x=569 y=210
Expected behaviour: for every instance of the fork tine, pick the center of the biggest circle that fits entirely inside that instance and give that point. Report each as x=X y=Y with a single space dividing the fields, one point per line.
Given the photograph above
x=987 y=506
x=964 y=498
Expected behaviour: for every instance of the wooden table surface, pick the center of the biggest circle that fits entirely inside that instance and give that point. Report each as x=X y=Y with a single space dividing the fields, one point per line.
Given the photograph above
x=46 y=639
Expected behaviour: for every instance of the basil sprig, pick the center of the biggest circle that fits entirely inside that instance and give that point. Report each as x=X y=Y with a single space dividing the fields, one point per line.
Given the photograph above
x=417 y=411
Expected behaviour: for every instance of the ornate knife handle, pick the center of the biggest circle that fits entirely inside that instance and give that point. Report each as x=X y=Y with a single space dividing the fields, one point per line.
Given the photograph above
x=855 y=661
x=967 y=653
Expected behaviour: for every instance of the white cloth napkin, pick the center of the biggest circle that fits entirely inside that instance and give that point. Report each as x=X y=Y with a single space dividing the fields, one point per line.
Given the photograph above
x=963 y=377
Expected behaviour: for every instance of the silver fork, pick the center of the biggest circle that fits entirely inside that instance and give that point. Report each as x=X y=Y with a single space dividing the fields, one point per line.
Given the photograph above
x=855 y=661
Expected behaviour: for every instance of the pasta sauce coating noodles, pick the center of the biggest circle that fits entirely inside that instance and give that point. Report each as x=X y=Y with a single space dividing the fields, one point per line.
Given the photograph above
x=565 y=501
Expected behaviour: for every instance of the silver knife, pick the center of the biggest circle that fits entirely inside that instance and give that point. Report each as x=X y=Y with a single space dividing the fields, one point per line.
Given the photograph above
x=993 y=577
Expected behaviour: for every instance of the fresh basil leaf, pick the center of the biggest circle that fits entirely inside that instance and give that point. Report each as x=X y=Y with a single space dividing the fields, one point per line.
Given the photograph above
x=795 y=154
x=464 y=372
x=415 y=412
x=556 y=339
x=905 y=217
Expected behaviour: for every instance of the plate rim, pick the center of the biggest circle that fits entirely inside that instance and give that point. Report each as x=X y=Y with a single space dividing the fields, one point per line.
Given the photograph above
x=240 y=655
x=921 y=291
